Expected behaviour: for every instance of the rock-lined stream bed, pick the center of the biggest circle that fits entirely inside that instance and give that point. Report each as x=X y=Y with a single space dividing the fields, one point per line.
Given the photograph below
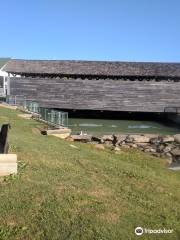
x=166 y=146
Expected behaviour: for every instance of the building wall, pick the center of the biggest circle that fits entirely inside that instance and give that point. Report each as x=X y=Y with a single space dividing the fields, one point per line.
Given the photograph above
x=107 y=94
x=3 y=83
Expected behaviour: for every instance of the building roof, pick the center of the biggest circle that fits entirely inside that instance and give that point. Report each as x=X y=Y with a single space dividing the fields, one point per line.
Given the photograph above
x=93 y=68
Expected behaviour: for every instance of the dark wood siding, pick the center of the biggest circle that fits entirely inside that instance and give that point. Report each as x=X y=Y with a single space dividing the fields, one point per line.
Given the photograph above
x=108 y=94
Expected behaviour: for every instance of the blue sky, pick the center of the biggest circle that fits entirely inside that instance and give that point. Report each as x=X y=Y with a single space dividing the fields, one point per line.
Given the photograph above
x=127 y=30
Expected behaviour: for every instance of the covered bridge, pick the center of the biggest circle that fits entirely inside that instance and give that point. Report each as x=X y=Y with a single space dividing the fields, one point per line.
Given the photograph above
x=97 y=85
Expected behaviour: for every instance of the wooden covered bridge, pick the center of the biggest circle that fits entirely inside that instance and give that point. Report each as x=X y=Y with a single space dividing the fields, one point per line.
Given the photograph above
x=97 y=85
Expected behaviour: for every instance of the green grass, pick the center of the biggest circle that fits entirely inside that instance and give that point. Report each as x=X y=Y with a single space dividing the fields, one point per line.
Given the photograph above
x=3 y=61
x=65 y=193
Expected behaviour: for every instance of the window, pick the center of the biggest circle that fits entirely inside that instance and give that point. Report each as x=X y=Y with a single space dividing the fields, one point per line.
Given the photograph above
x=1 y=81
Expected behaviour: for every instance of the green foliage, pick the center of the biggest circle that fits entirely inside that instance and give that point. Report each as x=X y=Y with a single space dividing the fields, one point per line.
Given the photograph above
x=65 y=193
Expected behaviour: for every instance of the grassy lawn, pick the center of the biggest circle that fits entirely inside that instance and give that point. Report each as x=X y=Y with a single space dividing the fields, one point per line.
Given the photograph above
x=62 y=192
x=3 y=61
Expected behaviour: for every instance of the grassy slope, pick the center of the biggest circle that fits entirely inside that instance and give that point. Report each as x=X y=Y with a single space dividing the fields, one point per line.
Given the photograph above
x=67 y=193
x=3 y=61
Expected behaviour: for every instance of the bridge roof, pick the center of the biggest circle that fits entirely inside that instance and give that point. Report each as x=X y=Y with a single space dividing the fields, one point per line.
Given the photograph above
x=93 y=68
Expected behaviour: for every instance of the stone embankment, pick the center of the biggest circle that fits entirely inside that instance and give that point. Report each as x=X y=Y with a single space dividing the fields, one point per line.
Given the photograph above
x=161 y=146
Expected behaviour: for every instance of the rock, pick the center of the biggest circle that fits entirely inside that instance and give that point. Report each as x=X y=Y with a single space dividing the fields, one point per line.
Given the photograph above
x=108 y=143
x=25 y=116
x=133 y=145
x=35 y=115
x=142 y=144
x=169 y=160
x=176 y=155
x=160 y=148
x=152 y=150
x=117 y=149
x=99 y=146
x=69 y=139
x=107 y=138
x=126 y=146
x=167 y=139
x=175 y=152
x=121 y=138
x=155 y=140
x=81 y=138
x=168 y=154
x=56 y=131
x=96 y=139
x=167 y=149
x=156 y=154
x=93 y=143
x=177 y=138
x=61 y=135
x=129 y=139
x=147 y=150
x=138 y=139
x=152 y=135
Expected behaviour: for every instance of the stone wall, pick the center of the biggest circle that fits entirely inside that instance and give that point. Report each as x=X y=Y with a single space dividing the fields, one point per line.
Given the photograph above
x=161 y=146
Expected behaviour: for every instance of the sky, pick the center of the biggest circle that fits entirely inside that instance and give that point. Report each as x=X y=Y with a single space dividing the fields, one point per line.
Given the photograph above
x=112 y=30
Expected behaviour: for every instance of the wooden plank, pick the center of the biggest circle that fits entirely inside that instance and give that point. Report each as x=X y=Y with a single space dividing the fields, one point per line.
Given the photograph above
x=112 y=95
x=8 y=164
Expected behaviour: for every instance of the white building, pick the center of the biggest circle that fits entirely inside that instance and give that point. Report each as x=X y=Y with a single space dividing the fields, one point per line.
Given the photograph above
x=5 y=78
x=3 y=83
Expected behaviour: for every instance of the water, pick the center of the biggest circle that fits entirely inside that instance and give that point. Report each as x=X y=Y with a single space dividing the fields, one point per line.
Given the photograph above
x=106 y=126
